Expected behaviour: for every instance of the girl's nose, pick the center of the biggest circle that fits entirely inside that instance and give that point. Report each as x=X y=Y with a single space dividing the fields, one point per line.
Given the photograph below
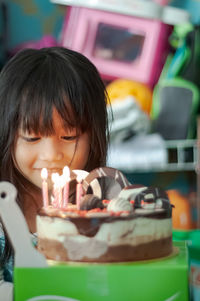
x=50 y=150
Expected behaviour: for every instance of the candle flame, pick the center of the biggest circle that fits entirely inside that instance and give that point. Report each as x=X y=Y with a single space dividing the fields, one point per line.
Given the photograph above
x=55 y=177
x=44 y=173
x=66 y=173
x=62 y=181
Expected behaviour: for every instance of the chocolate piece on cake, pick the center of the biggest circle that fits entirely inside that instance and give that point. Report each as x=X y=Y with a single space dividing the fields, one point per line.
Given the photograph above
x=154 y=195
x=90 y=201
x=105 y=182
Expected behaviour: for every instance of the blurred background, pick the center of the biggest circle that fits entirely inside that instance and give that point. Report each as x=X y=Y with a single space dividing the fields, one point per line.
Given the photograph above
x=148 y=54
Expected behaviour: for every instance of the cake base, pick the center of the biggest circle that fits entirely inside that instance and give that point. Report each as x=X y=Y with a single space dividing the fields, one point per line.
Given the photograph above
x=175 y=252
x=55 y=250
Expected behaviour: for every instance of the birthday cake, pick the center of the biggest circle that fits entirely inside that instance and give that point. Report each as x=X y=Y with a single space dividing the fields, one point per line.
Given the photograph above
x=113 y=222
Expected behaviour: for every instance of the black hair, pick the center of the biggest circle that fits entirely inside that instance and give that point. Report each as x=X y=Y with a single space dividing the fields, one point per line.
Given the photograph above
x=32 y=84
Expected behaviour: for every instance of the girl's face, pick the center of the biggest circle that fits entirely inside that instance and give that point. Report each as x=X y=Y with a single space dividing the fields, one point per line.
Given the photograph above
x=34 y=152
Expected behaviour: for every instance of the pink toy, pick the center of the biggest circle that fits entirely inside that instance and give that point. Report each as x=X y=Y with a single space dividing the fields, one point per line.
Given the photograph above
x=121 y=46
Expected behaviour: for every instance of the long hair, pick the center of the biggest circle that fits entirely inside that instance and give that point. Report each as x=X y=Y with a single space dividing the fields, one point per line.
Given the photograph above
x=32 y=84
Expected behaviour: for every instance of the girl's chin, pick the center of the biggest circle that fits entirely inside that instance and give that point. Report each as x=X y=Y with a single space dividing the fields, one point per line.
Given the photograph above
x=39 y=185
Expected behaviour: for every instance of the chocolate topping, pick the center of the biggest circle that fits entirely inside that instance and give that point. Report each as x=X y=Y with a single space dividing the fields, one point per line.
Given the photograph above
x=152 y=195
x=90 y=201
x=114 y=181
x=134 y=186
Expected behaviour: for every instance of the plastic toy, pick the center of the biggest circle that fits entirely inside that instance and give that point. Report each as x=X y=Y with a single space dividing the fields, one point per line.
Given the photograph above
x=126 y=39
x=121 y=88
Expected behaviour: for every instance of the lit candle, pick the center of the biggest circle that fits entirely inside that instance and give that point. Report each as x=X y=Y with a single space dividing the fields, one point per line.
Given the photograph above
x=54 y=178
x=45 y=196
x=66 y=176
x=60 y=185
x=79 y=191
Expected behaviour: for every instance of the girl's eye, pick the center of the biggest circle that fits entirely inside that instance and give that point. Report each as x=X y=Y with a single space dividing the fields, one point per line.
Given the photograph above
x=31 y=139
x=69 y=138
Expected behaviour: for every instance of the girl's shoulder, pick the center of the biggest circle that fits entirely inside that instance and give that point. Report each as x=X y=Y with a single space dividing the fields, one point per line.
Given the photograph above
x=8 y=266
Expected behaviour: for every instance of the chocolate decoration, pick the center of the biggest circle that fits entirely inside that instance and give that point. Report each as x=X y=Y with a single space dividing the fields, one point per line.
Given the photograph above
x=131 y=191
x=90 y=201
x=134 y=186
x=152 y=195
x=120 y=181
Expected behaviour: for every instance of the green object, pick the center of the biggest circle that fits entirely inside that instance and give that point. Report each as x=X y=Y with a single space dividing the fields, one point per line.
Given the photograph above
x=177 y=91
x=192 y=237
x=179 y=33
x=156 y=280
x=182 y=56
x=172 y=97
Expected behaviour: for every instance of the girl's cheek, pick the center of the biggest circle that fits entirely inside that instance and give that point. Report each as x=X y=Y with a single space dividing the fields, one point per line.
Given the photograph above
x=68 y=148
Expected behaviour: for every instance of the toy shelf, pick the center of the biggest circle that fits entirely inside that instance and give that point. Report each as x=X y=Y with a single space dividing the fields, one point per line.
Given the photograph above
x=182 y=156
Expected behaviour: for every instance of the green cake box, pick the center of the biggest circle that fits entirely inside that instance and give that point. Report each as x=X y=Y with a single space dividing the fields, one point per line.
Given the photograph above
x=36 y=278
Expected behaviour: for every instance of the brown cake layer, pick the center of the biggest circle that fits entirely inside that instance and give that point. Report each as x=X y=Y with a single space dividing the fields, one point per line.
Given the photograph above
x=159 y=248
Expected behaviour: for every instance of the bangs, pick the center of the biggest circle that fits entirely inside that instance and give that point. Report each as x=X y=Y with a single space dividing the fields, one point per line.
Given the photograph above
x=36 y=116
x=47 y=89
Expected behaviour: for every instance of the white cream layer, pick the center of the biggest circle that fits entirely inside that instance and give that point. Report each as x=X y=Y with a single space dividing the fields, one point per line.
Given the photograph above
x=127 y=232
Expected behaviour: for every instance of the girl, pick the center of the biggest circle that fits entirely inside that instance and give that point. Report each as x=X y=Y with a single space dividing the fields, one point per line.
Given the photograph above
x=52 y=113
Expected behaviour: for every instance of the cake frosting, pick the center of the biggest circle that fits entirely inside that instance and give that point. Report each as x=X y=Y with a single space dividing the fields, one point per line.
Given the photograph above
x=134 y=225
